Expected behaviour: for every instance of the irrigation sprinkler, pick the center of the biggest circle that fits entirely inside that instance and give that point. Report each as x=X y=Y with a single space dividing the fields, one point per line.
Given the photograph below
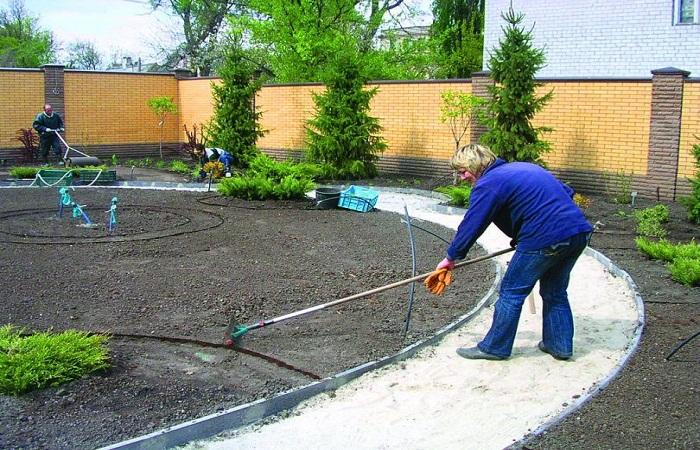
x=63 y=200
x=112 y=216
x=79 y=212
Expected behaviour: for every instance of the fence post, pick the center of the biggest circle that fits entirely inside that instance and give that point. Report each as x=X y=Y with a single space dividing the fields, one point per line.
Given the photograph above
x=664 y=133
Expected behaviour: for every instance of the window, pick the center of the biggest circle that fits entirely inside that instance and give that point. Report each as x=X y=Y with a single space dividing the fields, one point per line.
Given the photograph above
x=687 y=11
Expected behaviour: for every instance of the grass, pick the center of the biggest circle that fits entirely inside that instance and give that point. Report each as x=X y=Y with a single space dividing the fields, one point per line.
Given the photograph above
x=23 y=172
x=47 y=359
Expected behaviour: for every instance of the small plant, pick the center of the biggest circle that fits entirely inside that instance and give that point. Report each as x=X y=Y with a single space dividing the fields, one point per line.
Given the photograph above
x=115 y=160
x=618 y=186
x=215 y=168
x=195 y=144
x=650 y=221
x=582 y=201
x=683 y=259
x=179 y=167
x=692 y=202
x=23 y=172
x=160 y=164
x=161 y=107
x=31 y=144
x=458 y=110
x=47 y=359
x=459 y=195
x=685 y=271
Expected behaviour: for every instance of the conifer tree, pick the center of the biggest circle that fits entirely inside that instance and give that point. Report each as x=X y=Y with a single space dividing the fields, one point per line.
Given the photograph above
x=235 y=126
x=342 y=133
x=514 y=102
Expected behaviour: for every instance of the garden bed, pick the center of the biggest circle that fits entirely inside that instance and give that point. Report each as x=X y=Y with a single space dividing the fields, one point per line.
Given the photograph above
x=177 y=267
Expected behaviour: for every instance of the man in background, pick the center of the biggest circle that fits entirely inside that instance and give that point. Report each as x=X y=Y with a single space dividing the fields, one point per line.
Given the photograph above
x=48 y=124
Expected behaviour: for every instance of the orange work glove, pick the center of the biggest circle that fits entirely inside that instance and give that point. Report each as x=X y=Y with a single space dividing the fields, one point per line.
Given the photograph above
x=436 y=282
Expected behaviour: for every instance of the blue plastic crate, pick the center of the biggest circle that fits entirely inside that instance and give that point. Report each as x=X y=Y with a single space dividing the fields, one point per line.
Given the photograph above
x=358 y=199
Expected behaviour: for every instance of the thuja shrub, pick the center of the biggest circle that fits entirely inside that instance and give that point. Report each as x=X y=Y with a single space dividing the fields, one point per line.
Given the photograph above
x=47 y=359
x=692 y=203
x=683 y=259
x=650 y=221
x=342 y=134
x=234 y=126
x=459 y=194
x=514 y=101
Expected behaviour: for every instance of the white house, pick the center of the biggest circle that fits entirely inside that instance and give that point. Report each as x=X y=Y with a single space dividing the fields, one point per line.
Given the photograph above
x=605 y=38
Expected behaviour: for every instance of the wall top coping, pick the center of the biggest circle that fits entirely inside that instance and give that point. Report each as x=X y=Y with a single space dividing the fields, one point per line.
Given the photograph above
x=20 y=69
x=457 y=81
x=49 y=66
x=119 y=72
x=670 y=71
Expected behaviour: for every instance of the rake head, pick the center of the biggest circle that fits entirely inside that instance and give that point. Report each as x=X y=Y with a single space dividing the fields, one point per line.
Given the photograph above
x=235 y=335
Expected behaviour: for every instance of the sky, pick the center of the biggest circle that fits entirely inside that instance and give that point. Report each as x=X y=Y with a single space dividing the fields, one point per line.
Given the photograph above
x=120 y=27
x=123 y=27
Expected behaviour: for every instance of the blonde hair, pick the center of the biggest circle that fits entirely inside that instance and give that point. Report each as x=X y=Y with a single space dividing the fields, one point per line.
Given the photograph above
x=474 y=158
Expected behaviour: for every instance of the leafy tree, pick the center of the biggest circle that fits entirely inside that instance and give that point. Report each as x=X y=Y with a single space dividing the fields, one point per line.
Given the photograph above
x=342 y=133
x=458 y=32
x=235 y=126
x=202 y=20
x=514 y=103
x=83 y=55
x=304 y=37
x=22 y=42
x=161 y=107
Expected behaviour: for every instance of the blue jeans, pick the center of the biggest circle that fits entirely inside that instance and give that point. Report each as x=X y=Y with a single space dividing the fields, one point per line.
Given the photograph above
x=551 y=266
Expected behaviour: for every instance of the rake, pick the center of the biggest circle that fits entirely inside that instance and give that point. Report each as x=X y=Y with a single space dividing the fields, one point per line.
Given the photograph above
x=237 y=331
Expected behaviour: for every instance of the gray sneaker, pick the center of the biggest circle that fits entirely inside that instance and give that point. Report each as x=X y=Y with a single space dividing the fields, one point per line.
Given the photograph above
x=475 y=353
x=544 y=349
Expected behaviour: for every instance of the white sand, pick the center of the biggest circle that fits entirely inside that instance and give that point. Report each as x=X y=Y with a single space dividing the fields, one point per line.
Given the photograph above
x=440 y=400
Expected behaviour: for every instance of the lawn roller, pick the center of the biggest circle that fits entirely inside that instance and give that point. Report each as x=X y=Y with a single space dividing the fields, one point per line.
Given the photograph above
x=84 y=160
x=237 y=331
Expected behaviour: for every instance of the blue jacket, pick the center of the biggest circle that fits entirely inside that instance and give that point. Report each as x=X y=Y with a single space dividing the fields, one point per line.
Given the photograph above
x=524 y=201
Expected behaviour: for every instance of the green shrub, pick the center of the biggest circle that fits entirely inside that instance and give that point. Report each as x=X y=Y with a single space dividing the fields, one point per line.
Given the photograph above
x=514 y=95
x=23 y=172
x=179 y=167
x=686 y=271
x=235 y=125
x=459 y=195
x=47 y=359
x=618 y=186
x=342 y=133
x=683 y=259
x=650 y=221
x=160 y=164
x=692 y=203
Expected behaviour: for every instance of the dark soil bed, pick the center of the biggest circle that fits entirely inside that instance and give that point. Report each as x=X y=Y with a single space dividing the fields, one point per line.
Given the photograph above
x=188 y=265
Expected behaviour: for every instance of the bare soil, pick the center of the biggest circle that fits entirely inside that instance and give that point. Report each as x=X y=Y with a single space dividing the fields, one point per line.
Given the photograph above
x=187 y=266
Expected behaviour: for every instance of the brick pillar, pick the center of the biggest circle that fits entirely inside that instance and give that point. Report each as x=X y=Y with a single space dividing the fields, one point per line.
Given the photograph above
x=664 y=134
x=54 y=88
x=481 y=81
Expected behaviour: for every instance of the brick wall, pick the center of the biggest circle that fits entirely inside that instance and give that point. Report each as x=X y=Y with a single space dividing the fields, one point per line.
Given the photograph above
x=601 y=38
x=21 y=99
x=597 y=125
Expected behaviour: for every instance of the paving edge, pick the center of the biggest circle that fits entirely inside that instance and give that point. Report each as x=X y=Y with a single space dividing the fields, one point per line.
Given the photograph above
x=598 y=387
